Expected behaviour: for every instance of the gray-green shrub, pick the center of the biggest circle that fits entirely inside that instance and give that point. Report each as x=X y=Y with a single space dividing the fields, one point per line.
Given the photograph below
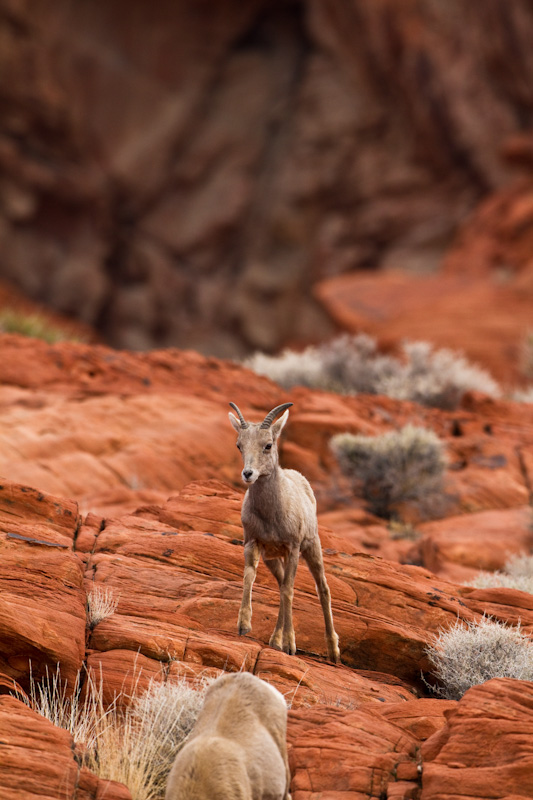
x=396 y=467
x=353 y=365
x=470 y=653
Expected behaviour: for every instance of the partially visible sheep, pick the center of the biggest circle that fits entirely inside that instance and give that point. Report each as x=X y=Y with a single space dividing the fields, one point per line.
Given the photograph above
x=237 y=749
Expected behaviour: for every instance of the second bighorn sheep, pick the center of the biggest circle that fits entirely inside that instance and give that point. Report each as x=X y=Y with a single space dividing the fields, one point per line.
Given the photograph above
x=279 y=521
x=237 y=749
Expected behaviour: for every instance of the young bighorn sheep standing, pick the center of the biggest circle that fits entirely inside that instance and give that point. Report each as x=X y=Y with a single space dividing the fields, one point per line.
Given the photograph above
x=279 y=521
x=237 y=749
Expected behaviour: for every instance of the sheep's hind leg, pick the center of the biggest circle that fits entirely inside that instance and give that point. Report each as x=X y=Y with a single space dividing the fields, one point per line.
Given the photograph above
x=313 y=559
x=275 y=566
x=251 y=560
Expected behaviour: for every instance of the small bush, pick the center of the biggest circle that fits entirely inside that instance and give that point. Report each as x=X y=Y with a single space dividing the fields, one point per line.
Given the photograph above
x=437 y=378
x=135 y=745
x=523 y=395
x=397 y=467
x=352 y=365
x=470 y=653
x=516 y=574
x=33 y=325
x=101 y=604
x=139 y=746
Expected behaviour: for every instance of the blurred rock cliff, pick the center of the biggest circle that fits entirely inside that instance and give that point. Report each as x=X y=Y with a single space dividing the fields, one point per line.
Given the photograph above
x=183 y=173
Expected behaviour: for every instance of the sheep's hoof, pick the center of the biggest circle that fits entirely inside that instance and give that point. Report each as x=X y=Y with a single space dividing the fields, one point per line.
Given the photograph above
x=290 y=648
x=334 y=654
x=244 y=629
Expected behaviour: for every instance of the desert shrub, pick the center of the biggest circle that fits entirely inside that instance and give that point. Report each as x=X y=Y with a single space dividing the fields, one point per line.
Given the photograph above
x=516 y=574
x=437 y=378
x=352 y=364
x=396 y=467
x=34 y=325
x=470 y=653
x=398 y=529
x=523 y=395
x=101 y=604
x=290 y=368
x=134 y=744
x=140 y=745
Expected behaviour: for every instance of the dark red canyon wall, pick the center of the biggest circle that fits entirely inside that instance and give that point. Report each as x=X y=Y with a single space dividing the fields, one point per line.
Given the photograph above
x=182 y=171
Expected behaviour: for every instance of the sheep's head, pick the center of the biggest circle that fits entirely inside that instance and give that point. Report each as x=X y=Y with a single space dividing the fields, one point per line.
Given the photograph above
x=258 y=442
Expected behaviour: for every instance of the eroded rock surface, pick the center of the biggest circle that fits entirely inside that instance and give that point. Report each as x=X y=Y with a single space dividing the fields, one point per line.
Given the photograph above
x=485 y=749
x=37 y=760
x=82 y=419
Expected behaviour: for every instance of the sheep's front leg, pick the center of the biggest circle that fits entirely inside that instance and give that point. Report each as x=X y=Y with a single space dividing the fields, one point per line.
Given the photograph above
x=276 y=568
x=251 y=560
x=287 y=594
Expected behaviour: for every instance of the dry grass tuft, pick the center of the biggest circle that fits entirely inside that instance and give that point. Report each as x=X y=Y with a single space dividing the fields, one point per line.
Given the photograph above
x=133 y=743
x=101 y=604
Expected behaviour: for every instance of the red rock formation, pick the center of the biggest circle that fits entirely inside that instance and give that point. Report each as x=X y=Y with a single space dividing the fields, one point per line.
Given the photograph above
x=376 y=754
x=42 y=606
x=485 y=320
x=182 y=176
x=175 y=564
x=37 y=760
x=485 y=748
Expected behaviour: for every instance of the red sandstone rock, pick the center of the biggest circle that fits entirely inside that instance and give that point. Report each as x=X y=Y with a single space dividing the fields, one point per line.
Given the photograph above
x=459 y=547
x=42 y=601
x=175 y=565
x=348 y=754
x=485 y=320
x=192 y=579
x=422 y=717
x=486 y=747
x=37 y=760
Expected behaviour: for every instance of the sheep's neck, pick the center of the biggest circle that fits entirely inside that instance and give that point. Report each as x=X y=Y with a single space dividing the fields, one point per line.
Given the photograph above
x=265 y=493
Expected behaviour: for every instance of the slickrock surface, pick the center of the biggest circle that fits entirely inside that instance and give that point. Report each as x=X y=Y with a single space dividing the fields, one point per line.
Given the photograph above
x=37 y=760
x=79 y=421
x=486 y=747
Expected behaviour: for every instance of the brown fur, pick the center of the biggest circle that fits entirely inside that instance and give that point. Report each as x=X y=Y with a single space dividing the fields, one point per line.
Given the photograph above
x=237 y=749
x=279 y=522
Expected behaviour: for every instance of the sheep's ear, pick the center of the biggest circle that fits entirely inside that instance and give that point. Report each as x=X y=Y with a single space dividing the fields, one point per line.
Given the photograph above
x=235 y=422
x=278 y=426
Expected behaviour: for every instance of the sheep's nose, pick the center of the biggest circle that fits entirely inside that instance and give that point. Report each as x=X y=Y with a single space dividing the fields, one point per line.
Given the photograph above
x=247 y=474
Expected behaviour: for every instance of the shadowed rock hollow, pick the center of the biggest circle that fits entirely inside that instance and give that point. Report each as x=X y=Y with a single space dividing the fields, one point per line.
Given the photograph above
x=120 y=471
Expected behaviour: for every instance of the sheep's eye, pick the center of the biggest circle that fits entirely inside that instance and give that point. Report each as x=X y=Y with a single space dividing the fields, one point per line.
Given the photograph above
x=268 y=447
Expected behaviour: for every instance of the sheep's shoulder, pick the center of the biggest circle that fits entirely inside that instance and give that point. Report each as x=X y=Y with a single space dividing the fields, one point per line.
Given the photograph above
x=298 y=486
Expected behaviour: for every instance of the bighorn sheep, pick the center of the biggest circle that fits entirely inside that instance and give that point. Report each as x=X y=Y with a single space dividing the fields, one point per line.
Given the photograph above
x=279 y=521
x=237 y=749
